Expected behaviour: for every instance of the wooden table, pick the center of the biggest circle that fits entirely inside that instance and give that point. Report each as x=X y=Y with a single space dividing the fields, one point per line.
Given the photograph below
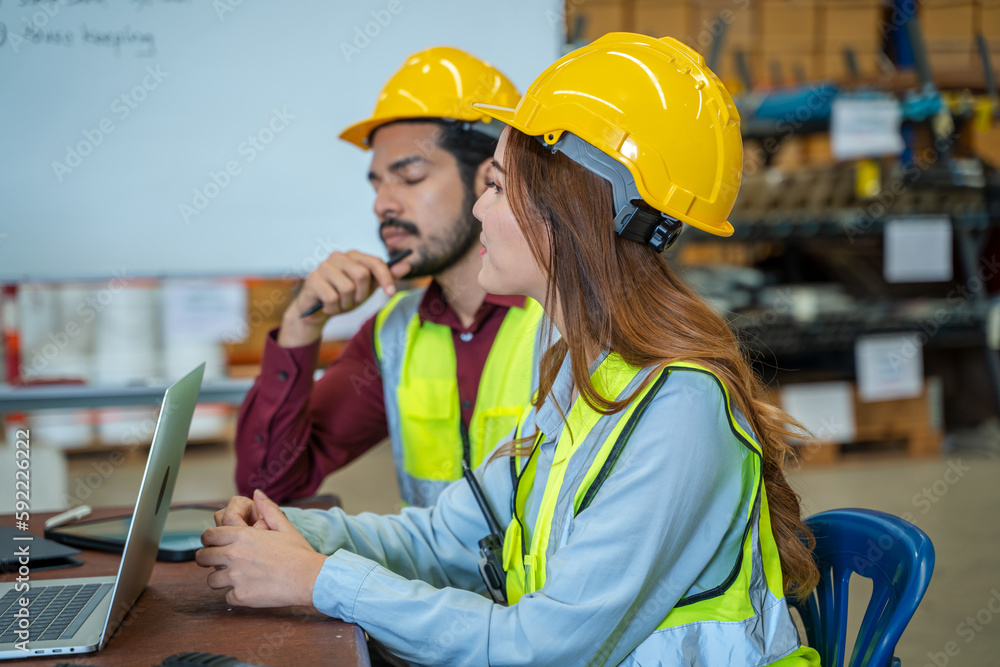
x=179 y=612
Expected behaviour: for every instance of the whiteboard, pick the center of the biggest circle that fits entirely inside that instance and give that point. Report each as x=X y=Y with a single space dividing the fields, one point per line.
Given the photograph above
x=184 y=137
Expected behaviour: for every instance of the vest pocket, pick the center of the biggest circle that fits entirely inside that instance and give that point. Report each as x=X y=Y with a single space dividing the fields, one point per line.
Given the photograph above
x=432 y=444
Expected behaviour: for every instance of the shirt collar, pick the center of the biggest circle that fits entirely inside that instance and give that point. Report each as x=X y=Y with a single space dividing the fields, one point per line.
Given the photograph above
x=436 y=309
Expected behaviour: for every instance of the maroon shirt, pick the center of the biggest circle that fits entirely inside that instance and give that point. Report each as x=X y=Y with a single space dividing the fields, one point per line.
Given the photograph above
x=292 y=432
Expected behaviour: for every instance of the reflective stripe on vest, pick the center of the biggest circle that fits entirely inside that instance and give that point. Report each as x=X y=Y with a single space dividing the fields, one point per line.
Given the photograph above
x=420 y=387
x=745 y=613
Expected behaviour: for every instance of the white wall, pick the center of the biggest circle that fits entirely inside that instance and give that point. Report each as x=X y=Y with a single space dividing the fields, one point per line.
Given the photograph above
x=178 y=98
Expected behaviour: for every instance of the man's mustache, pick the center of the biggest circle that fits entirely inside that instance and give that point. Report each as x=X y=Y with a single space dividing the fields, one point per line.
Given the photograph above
x=403 y=225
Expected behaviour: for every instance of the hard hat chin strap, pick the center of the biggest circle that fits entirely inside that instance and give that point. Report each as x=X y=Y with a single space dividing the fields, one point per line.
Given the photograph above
x=657 y=229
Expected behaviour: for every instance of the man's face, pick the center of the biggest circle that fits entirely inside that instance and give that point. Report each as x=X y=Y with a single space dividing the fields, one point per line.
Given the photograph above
x=420 y=200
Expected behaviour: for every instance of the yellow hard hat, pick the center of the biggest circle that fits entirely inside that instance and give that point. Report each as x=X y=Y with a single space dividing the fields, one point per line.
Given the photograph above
x=652 y=106
x=441 y=82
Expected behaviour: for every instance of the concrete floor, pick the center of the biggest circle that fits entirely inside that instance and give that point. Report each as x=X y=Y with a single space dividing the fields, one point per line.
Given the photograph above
x=959 y=510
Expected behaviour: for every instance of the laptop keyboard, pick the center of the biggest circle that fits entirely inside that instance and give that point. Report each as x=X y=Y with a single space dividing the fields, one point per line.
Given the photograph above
x=55 y=611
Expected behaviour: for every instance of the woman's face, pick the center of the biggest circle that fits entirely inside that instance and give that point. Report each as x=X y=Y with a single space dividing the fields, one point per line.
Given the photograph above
x=509 y=267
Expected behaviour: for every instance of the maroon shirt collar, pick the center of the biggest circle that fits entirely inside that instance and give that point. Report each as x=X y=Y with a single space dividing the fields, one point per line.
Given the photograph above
x=435 y=308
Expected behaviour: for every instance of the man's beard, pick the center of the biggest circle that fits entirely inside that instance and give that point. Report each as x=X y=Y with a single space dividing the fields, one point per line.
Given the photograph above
x=442 y=250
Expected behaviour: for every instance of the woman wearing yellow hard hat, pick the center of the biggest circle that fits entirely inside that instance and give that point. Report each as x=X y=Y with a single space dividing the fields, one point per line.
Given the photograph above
x=641 y=514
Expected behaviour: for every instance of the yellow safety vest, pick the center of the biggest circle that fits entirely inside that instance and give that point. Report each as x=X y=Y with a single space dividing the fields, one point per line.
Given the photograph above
x=420 y=387
x=735 y=600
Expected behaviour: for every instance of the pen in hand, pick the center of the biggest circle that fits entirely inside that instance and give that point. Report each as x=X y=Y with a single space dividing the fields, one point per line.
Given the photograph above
x=392 y=260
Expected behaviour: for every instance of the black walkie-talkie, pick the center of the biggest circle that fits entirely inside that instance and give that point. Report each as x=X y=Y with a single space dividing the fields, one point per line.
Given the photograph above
x=491 y=546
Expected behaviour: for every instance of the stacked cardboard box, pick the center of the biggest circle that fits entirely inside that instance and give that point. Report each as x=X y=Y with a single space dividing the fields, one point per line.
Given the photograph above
x=910 y=426
x=599 y=17
x=789 y=40
x=700 y=25
x=737 y=21
x=850 y=24
x=949 y=28
x=667 y=18
x=989 y=25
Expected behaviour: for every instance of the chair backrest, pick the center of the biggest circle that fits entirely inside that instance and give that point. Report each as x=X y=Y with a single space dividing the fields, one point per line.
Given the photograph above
x=896 y=555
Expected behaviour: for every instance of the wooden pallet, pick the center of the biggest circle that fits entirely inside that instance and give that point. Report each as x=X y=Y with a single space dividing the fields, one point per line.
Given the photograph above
x=904 y=427
x=912 y=445
x=900 y=427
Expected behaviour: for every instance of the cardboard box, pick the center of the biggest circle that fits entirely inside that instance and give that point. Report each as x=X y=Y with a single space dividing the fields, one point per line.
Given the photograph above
x=989 y=23
x=885 y=427
x=784 y=67
x=959 y=60
x=741 y=24
x=818 y=150
x=789 y=25
x=668 y=18
x=834 y=65
x=850 y=23
x=600 y=17
x=949 y=26
x=791 y=156
x=266 y=303
x=727 y=70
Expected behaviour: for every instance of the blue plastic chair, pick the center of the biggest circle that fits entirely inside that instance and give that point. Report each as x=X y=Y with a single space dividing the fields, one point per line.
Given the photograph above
x=896 y=555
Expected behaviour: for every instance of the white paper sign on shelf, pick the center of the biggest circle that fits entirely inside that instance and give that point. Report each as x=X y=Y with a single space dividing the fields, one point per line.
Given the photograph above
x=826 y=409
x=862 y=128
x=889 y=366
x=204 y=310
x=917 y=250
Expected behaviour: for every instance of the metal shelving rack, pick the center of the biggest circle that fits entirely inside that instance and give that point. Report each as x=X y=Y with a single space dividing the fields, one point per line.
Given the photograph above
x=820 y=206
x=96 y=396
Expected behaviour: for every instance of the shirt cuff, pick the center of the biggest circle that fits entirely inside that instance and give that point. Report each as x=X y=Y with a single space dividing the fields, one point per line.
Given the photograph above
x=319 y=527
x=285 y=368
x=339 y=583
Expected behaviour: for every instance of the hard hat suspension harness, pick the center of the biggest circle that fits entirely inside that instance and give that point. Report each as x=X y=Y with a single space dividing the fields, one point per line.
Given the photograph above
x=656 y=229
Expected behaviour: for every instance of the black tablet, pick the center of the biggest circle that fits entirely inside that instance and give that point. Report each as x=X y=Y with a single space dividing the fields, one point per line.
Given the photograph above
x=41 y=554
x=181 y=536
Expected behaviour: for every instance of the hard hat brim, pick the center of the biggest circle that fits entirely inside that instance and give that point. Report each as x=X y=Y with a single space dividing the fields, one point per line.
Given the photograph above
x=359 y=132
x=503 y=114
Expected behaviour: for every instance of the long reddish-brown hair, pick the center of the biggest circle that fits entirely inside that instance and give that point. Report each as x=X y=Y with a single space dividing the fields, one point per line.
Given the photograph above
x=623 y=296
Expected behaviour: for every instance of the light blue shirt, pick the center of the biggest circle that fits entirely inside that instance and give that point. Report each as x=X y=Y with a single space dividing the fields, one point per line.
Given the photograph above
x=667 y=522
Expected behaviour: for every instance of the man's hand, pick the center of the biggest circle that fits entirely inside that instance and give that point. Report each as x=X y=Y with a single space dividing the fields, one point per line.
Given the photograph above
x=275 y=567
x=342 y=282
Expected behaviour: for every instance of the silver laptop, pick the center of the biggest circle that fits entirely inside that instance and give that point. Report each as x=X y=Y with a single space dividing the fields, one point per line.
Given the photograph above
x=69 y=616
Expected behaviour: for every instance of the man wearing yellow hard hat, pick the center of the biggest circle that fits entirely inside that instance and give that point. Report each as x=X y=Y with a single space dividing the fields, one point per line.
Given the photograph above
x=443 y=371
x=640 y=515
